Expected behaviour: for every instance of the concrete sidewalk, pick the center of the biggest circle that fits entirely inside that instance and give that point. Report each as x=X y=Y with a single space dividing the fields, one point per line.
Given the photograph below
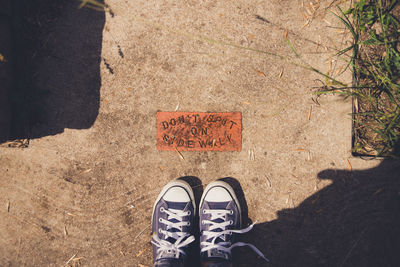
x=85 y=195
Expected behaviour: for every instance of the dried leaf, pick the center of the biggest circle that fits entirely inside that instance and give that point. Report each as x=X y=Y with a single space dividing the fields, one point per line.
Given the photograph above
x=260 y=73
x=19 y=143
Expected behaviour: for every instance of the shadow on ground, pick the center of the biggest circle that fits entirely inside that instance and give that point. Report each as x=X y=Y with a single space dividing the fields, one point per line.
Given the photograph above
x=57 y=50
x=352 y=222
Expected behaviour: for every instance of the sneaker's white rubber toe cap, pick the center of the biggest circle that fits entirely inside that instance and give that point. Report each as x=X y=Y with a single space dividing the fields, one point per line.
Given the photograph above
x=218 y=194
x=176 y=194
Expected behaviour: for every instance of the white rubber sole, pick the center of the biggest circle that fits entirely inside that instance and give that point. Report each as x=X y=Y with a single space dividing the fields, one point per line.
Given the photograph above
x=230 y=190
x=180 y=183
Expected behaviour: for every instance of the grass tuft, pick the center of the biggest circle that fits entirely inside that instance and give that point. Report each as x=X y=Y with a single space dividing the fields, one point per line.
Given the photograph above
x=375 y=59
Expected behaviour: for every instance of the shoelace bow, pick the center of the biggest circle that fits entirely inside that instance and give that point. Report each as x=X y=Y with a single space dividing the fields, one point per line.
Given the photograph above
x=224 y=245
x=182 y=239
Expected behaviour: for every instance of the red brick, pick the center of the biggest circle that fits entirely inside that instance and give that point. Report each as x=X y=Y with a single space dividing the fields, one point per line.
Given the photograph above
x=199 y=131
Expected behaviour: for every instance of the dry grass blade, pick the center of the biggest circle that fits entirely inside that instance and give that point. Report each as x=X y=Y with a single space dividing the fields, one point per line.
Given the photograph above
x=140 y=253
x=92 y=4
x=70 y=259
x=179 y=154
x=280 y=73
x=141 y=232
x=349 y=165
x=65 y=231
x=377 y=191
x=269 y=181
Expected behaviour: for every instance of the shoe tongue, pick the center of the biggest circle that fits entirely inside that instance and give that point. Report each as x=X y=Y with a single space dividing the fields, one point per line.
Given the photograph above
x=215 y=252
x=218 y=205
x=176 y=205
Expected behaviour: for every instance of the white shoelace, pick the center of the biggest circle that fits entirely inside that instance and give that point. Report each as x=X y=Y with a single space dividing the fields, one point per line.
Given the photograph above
x=225 y=245
x=182 y=239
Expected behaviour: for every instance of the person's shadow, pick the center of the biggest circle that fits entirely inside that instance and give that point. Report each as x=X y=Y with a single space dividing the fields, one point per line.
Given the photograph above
x=57 y=56
x=355 y=221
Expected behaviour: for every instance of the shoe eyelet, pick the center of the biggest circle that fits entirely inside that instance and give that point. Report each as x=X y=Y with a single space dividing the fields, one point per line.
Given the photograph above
x=159 y=230
x=230 y=222
x=160 y=220
x=231 y=212
x=189 y=213
x=188 y=223
x=202 y=222
x=162 y=209
x=204 y=211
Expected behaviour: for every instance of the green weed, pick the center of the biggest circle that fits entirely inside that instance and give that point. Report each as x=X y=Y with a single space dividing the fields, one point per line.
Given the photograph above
x=375 y=59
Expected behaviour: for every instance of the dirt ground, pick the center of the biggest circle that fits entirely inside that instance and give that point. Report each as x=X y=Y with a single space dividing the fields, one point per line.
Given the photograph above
x=82 y=193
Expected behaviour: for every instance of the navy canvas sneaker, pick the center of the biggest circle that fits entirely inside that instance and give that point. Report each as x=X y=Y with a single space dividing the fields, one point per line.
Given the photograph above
x=220 y=221
x=172 y=224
